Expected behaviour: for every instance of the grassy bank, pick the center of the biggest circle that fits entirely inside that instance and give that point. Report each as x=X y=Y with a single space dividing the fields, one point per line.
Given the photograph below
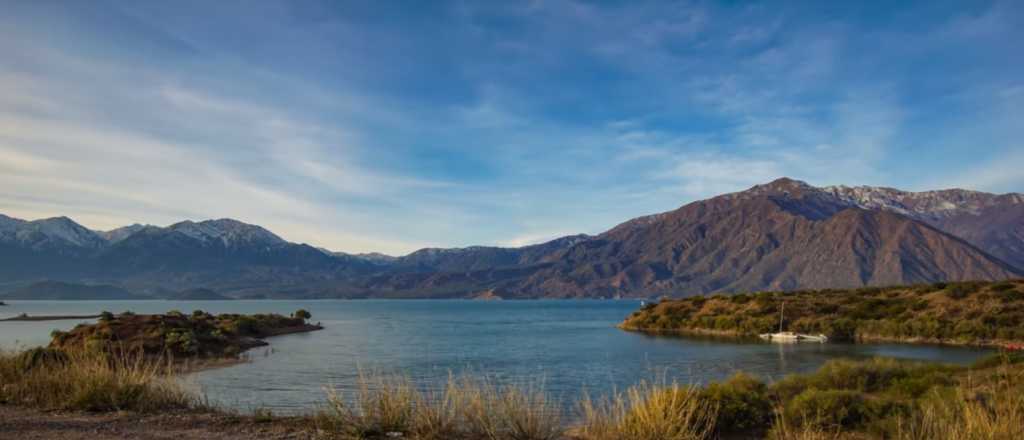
x=873 y=399
x=978 y=313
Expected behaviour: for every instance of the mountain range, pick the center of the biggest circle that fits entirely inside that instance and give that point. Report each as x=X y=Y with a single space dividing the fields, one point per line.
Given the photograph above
x=784 y=234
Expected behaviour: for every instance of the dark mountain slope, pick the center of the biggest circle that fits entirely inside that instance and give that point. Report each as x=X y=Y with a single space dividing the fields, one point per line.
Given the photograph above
x=782 y=235
x=785 y=235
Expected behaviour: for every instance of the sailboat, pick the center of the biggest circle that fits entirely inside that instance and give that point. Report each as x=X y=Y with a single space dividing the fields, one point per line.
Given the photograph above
x=782 y=336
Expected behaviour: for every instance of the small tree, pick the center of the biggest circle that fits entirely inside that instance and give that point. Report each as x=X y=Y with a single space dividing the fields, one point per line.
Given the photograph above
x=302 y=314
x=106 y=316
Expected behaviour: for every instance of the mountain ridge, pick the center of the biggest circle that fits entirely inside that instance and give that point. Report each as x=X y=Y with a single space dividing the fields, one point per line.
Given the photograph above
x=782 y=234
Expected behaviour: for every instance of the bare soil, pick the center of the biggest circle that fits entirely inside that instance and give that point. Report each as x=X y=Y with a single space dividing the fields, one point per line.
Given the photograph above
x=29 y=424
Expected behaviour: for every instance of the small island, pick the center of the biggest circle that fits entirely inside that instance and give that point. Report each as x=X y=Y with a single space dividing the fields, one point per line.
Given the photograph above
x=961 y=313
x=181 y=336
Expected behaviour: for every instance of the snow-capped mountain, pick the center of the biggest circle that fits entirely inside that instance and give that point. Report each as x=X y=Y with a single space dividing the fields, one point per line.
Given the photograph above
x=50 y=233
x=930 y=205
x=116 y=235
x=228 y=232
x=785 y=234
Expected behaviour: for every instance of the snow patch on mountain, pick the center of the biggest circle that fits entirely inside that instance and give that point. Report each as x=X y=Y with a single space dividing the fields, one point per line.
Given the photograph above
x=925 y=204
x=63 y=229
x=116 y=235
x=227 y=231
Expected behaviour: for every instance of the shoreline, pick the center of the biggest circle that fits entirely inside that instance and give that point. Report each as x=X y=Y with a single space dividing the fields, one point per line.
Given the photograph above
x=860 y=338
x=26 y=318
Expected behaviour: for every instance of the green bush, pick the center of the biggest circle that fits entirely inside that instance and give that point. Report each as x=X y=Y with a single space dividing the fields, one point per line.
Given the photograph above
x=1001 y=287
x=998 y=359
x=828 y=409
x=743 y=404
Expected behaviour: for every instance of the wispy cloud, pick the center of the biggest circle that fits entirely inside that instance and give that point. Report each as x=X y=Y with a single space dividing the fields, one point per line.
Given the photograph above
x=388 y=129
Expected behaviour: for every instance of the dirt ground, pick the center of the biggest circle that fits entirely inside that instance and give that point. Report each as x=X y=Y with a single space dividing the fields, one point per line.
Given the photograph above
x=28 y=424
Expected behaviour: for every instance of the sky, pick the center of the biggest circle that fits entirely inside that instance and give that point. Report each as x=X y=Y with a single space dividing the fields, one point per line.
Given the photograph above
x=390 y=126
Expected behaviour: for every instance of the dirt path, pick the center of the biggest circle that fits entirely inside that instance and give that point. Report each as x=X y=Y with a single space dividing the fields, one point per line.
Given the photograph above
x=28 y=424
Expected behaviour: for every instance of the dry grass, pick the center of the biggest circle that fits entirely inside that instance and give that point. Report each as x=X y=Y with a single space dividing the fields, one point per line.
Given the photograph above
x=90 y=381
x=465 y=409
x=648 y=412
x=905 y=401
x=990 y=410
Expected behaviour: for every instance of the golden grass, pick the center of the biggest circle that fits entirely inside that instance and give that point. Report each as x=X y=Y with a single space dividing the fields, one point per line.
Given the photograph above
x=465 y=409
x=648 y=412
x=990 y=409
x=980 y=404
x=91 y=381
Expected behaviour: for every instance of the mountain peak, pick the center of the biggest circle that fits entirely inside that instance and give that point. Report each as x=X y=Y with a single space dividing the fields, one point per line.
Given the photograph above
x=116 y=235
x=783 y=186
x=228 y=231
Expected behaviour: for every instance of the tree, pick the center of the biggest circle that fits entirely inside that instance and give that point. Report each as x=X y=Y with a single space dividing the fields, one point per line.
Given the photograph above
x=302 y=314
x=106 y=316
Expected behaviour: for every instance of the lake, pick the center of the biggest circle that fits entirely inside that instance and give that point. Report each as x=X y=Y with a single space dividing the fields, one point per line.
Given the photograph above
x=565 y=346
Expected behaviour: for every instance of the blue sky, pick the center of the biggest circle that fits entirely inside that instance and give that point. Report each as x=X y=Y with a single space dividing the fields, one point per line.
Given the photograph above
x=391 y=126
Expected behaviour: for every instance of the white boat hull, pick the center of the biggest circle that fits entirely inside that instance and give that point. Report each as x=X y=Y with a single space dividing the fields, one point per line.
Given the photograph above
x=793 y=337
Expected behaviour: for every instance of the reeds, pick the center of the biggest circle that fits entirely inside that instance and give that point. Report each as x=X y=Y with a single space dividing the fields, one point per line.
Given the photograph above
x=648 y=412
x=90 y=381
x=991 y=410
x=466 y=408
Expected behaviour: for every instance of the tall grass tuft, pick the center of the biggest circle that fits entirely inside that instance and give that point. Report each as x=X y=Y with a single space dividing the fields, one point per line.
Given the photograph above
x=465 y=409
x=90 y=381
x=648 y=412
x=993 y=410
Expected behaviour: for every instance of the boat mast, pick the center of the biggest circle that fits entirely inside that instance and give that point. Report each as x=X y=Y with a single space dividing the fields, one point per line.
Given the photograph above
x=781 y=312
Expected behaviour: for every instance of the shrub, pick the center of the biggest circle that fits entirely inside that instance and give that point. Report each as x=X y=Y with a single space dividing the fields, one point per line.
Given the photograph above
x=106 y=316
x=302 y=314
x=998 y=359
x=1001 y=287
x=742 y=402
x=828 y=409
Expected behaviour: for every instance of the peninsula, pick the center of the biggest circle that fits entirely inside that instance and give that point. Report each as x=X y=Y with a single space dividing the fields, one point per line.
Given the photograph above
x=962 y=313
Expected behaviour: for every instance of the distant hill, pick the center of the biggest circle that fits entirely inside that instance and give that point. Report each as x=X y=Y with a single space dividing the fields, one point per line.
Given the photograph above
x=784 y=235
x=56 y=290
x=199 y=295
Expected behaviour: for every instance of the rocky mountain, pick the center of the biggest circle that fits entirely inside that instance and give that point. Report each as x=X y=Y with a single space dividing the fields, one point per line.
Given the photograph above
x=994 y=223
x=198 y=294
x=785 y=234
x=116 y=235
x=484 y=257
x=55 y=290
x=184 y=255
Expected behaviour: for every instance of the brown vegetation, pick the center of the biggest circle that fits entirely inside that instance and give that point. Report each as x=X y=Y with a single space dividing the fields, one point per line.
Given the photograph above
x=180 y=336
x=979 y=313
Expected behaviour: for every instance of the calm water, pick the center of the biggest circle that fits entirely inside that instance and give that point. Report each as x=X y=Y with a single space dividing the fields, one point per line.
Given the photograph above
x=567 y=346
